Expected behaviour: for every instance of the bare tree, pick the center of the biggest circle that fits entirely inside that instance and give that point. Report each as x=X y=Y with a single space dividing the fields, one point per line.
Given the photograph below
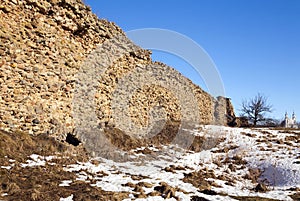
x=255 y=109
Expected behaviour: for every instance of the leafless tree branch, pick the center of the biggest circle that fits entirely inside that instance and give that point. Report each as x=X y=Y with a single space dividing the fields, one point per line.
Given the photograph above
x=256 y=108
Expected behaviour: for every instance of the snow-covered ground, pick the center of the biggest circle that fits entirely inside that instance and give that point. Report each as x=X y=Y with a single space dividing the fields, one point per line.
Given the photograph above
x=275 y=154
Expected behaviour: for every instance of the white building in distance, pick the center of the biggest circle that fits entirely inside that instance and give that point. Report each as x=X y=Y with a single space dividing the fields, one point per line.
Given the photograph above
x=290 y=122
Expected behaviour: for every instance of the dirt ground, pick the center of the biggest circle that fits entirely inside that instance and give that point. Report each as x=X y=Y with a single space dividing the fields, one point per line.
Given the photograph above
x=42 y=182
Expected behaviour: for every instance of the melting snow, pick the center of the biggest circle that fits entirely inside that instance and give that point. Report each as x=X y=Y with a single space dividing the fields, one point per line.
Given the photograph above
x=37 y=160
x=6 y=167
x=65 y=183
x=70 y=198
x=277 y=162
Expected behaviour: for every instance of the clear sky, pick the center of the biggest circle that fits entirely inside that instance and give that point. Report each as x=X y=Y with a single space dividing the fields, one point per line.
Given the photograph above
x=255 y=44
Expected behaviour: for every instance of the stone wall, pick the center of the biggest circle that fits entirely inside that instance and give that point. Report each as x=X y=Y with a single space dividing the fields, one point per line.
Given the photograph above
x=43 y=46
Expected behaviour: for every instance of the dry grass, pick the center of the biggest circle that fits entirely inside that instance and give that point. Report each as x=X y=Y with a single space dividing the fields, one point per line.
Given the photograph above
x=198 y=179
x=197 y=198
x=242 y=198
x=19 y=145
x=248 y=134
x=166 y=136
x=42 y=182
x=125 y=142
x=253 y=175
x=295 y=196
x=281 y=129
x=293 y=138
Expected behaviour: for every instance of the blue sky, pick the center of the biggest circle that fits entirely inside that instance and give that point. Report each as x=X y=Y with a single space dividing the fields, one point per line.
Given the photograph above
x=255 y=44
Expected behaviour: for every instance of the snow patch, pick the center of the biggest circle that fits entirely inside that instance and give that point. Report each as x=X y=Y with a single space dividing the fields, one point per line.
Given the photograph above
x=65 y=183
x=37 y=160
x=70 y=198
x=6 y=167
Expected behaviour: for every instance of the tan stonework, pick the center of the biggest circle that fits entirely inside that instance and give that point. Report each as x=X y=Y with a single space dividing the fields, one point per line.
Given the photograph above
x=43 y=45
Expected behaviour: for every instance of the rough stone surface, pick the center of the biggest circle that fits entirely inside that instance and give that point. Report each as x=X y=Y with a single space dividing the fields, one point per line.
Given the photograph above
x=43 y=46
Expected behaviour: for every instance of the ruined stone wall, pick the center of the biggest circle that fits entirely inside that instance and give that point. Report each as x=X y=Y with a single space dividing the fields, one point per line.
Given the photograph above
x=43 y=45
x=224 y=112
